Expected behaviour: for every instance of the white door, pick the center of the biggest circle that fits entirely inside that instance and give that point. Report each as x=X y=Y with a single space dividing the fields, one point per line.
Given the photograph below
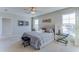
x=6 y=27
x=0 y=27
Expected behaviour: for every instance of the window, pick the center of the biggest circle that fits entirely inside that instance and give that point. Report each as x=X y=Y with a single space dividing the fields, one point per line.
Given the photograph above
x=69 y=23
x=36 y=24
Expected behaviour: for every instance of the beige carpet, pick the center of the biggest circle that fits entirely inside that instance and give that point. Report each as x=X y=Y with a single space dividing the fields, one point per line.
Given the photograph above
x=15 y=45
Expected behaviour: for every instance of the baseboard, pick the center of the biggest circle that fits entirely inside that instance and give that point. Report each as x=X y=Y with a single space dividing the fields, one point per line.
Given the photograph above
x=10 y=36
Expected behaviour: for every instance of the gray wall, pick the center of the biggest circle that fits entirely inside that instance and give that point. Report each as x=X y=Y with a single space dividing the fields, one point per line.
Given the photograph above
x=10 y=25
x=56 y=18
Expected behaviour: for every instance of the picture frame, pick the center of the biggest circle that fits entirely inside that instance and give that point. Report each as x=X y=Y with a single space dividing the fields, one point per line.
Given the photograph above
x=20 y=23
x=26 y=23
x=47 y=20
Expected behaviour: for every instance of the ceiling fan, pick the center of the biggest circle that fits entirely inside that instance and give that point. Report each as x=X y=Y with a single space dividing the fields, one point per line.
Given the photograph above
x=31 y=10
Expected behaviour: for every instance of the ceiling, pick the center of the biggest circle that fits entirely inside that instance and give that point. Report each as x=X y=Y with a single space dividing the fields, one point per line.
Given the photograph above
x=22 y=11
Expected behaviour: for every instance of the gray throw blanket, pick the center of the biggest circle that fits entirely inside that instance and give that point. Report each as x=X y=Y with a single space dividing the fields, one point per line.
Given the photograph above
x=35 y=42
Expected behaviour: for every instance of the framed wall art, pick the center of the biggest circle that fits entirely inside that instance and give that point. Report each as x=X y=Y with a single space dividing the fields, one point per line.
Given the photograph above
x=26 y=23
x=47 y=20
x=20 y=23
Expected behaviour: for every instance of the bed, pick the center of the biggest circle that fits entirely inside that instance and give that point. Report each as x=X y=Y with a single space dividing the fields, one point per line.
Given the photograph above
x=40 y=39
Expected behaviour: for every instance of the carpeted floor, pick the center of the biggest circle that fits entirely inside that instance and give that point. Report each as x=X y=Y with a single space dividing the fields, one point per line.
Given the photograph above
x=15 y=45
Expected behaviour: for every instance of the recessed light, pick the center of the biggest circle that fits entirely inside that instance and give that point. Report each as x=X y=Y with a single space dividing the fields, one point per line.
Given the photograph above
x=5 y=9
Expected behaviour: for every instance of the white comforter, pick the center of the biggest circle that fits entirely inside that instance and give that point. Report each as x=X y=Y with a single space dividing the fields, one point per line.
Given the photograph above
x=39 y=40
